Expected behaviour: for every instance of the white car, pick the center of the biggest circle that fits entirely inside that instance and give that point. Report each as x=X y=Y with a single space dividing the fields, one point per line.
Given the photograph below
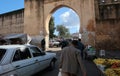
x=24 y=60
x=54 y=43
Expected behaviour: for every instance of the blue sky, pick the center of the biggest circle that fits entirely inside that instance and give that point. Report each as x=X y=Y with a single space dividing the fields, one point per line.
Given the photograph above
x=10 y=5
x=65 y=16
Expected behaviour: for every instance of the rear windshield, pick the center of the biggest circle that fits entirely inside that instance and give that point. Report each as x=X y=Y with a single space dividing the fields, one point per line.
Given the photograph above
x=2 y=53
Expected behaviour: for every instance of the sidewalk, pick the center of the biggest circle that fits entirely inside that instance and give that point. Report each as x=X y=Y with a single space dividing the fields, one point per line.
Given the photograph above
x=54 y=49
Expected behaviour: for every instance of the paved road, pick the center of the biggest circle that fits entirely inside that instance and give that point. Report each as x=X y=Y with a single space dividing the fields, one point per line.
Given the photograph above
x=90 y=67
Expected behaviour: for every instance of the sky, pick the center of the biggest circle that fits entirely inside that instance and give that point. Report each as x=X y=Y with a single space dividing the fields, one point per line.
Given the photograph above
x=68 y=18
x=10 y=5
x=64 y=15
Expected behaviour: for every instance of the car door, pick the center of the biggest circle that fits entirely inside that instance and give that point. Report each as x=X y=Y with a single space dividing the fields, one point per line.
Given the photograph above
x=22 y=62
x=40 y=57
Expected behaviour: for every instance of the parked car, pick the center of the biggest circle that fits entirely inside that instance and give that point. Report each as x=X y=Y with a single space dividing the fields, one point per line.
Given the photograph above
x=54 y=43
x=24 y=60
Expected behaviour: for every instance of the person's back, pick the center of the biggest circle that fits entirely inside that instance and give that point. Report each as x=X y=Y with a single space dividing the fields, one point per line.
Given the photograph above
x=70 y=60
x=81 y=47
x=64 y=43
x=43 y=44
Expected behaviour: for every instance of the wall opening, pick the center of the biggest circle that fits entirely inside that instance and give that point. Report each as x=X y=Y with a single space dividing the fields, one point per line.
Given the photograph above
x=66 y=24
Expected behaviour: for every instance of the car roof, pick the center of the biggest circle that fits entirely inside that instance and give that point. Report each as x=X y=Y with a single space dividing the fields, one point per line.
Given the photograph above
x=13 y=46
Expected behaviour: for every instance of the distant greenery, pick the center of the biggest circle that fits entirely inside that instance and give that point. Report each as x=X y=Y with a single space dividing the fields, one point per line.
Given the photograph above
x=63 y=31
x=51 y=28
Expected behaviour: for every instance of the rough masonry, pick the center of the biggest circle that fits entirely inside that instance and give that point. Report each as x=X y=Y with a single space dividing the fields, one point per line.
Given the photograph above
x=100 y=20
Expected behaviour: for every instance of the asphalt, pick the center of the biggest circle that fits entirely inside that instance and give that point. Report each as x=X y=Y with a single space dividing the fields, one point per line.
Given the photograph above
x=91 y=68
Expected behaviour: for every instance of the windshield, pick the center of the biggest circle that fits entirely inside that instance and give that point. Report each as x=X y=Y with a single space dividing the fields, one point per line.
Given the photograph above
x=2 y=53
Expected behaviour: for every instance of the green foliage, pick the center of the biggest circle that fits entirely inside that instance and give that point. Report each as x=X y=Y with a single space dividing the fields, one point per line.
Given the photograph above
x=63 y=31
x=51 y=28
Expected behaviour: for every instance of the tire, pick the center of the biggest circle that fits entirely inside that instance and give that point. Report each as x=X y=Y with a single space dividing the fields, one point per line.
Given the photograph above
x=52 y=65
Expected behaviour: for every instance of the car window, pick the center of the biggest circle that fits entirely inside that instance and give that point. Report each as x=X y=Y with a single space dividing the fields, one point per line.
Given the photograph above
x=2 y=53
x=21 y=54
x=35 y=51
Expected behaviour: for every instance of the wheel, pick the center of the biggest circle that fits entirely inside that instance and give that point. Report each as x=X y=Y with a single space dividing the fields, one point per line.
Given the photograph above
x=52 y=65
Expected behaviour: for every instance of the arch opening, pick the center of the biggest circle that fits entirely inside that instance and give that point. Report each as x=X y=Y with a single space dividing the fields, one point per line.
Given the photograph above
x=66 y=17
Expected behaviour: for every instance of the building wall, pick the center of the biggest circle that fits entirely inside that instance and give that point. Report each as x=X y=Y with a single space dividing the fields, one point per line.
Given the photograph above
x=38 y=13
x=108 y=24
x=107 y=17
x=12 y=22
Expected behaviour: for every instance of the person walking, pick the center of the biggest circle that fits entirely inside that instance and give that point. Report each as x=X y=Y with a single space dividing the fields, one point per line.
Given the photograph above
x=70 y=61
x=81 y=47
x=43 y=44
x=64 y=43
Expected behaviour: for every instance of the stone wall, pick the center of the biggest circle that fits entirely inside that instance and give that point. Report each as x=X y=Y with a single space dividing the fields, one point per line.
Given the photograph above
x=108 y=25
x=37 y=15
x=108 y=35
x=12 y=22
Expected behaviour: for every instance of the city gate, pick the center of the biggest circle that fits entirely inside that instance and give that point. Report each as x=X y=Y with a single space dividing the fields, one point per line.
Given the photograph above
x=37 y=14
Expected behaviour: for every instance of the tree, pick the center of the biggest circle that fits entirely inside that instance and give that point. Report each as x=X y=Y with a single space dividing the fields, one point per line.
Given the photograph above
x=51 y=28
x=63 y=31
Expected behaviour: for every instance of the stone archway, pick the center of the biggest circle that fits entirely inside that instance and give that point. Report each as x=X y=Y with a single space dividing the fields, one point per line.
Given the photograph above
x=38 y=12
x=49 y=16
